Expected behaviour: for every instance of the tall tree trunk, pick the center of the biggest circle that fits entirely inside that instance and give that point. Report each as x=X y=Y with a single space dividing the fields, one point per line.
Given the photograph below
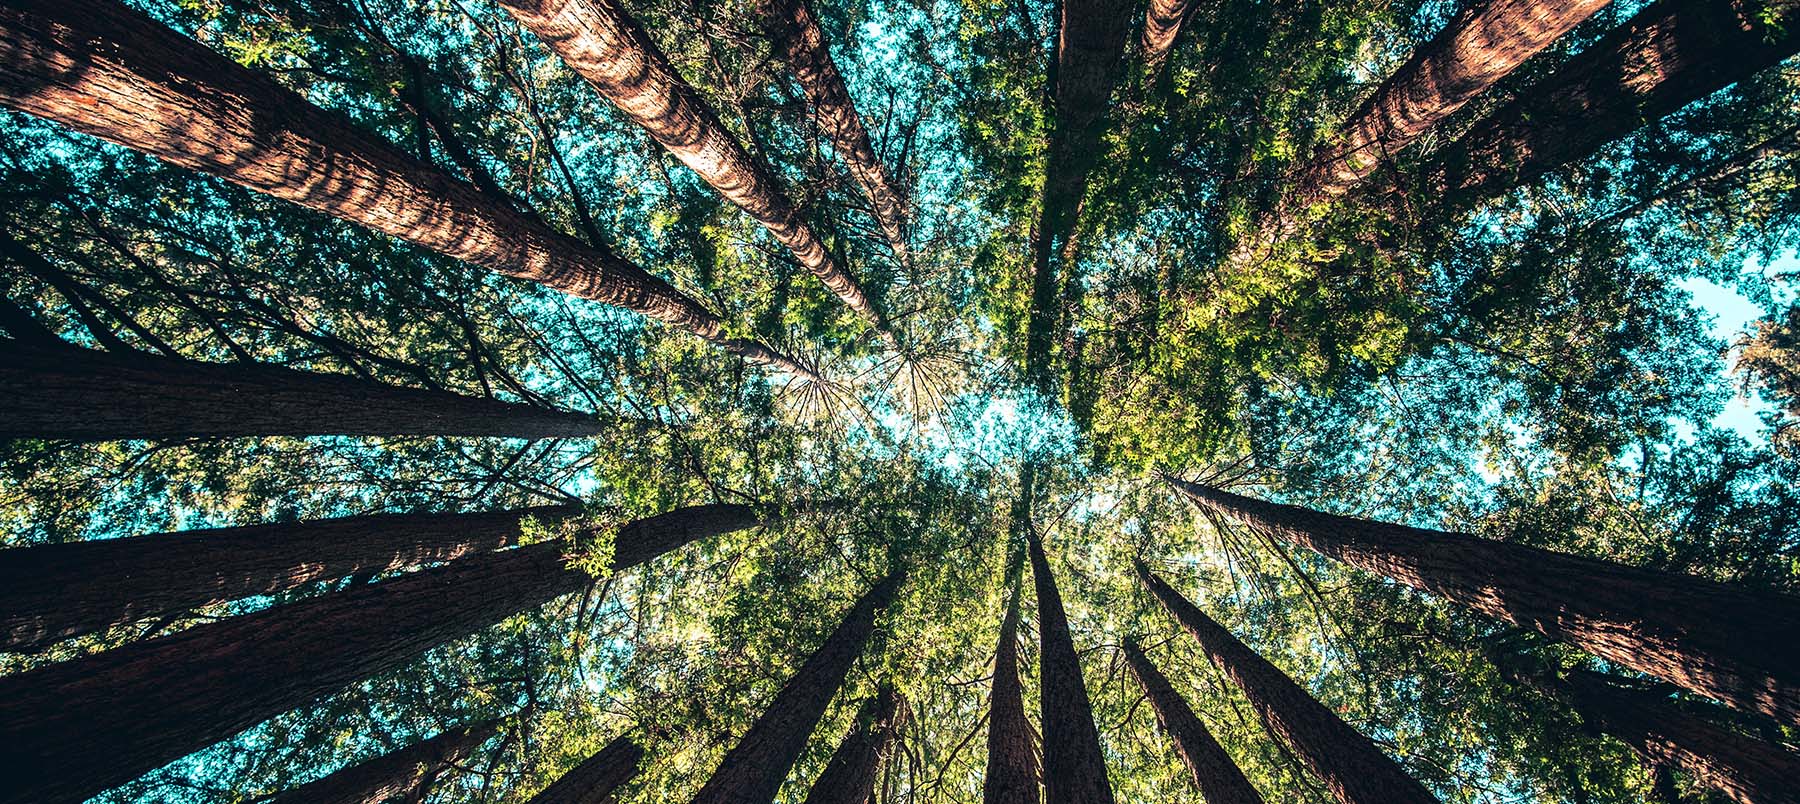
x=1672 y=53
x=754 y=769
x=85 y=395
x=1352 y=768
x=854 y=769
x=791 y=26
x=104 y=69
x=1012 y=770
x=70 y=730
x=1217 y=777
x=602 y=43
x=399 y=773
x=1739 y=645
x=598 y=778
x=1074 y=766
x=1744 y=768
x=56 y=591
x=1162 y=24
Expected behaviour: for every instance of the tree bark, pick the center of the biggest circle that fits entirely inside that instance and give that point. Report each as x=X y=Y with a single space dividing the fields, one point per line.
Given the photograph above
x=70 y=730
x=796 y=34
x=1672 y=53
x=602 y=43
x=107 y=70
x=1352 y=768
x=1215 y=775
x=399 y=773
x=1162 y=24
x=1747 y=770
x=1739 y=645
x=1074 y=766
x=83 y=395
x=1012 y=770
x=56 y=591
x=850 y=777
x=598 y=778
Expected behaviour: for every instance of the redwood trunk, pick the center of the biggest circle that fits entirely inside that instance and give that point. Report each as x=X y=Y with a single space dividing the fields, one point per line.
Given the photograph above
x=1012 y=770
x=85 y=395
x=854 y=769
x=70 y=730
x=1217 y=777
x=1074 y=766
x=102 y=68
x=598 y=778
x=791 y=26
x=754 y=769
x=601 y=42
x=56 y=591
x=1162 y=24
x=1739 y=645
x=400 y=773
x=1352 y=768
x=1670 y=54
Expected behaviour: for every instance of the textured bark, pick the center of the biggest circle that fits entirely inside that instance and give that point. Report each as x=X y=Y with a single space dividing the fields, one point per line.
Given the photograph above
x=1744 y=768
x=753 y=770
x=1162 y=24
x=1670 y=54
x=1217 y=777
x=56 y=591
x=1739 y=645
x=854 y=769
x=399 y=773
x=1074 y=766
x=791 y=26
x=70 y=730
x=598 y=778
x=107 y=70
x=1012 y=769
x=86 y=395
x=602 y=43
x=1352 y=768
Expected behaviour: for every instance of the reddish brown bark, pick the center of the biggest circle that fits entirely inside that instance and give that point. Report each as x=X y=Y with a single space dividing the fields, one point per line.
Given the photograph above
x=70 y=730
x=754 y=769
x=85 y=395
x=1012 y=769
x=598 y=778
x=102 y=68
x=1352 y=768
x=1074 y=766
x=1217 y=777
x=56 y=591
x=854 y=769
x=602 y=43
x=791 y=26
x=1739 y=645
x=1162 y=24
x=391 y=775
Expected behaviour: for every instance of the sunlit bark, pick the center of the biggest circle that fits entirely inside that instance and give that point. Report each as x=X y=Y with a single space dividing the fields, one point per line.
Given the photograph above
x=1162 y=24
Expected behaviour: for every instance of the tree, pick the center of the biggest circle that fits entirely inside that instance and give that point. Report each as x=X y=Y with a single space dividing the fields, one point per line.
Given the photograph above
x=598 y=778
x=1352 y=768
x=1074 y=767
x=75 y=728
x=855 y=767
x=151 y=89
x=408 y=772
x=1215 y=775
x=1162 y=24
x=1723 y=641
x=56 y=591
x=755 y=767
x=1012 y=768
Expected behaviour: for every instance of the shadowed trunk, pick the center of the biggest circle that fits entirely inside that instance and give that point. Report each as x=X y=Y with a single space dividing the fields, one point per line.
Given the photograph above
x=1215 y=775
x=1672 y=53
x=854 y=769
x=1739 y=645
x=791 y=26
x=1744 y=768
x=391 y=775
x=107 y=70
x=1162 y=24
x=1352 y=768
x=70 y=730
x=1012 y=770
x=56 y=591
x=597 y=779
x=755 y=768
x=85 y=395
x=1074 y=766
x=601 y=42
